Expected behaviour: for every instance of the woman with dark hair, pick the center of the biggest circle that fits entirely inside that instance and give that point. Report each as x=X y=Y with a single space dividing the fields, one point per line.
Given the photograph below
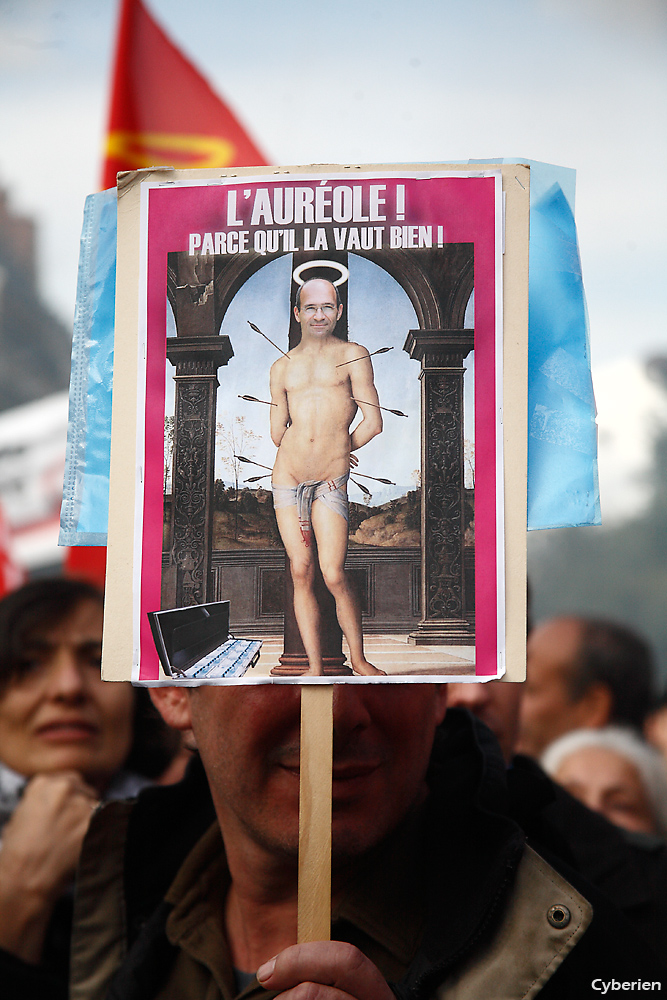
x=67 y=741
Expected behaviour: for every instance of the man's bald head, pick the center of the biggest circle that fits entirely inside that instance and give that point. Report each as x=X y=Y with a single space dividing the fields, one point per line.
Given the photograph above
x=300 y=288
x=582 y=673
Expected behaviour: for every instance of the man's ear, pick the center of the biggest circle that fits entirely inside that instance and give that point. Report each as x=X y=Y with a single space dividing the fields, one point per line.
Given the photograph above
x=296 y=313
x=595 y=706
x=173 y=704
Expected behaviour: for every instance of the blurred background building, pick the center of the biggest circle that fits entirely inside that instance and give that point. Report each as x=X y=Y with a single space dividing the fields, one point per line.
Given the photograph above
x=34 y=375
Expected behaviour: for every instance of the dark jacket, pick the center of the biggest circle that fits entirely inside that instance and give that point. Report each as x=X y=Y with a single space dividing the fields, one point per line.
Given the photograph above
x=630 y=869
x=495 y=919
x=20 y=980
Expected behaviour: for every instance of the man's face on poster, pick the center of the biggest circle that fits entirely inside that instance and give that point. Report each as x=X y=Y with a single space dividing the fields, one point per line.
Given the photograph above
x=318 y=310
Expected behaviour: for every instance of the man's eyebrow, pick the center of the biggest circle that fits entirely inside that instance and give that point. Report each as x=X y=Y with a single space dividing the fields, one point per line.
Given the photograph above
x=618 y=790
x=90 y=644
x=37 y=644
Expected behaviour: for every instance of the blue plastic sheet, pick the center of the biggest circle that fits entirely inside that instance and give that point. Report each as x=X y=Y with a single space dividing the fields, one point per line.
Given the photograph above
x=562 y=433
x=85 y=508
x=563 y=489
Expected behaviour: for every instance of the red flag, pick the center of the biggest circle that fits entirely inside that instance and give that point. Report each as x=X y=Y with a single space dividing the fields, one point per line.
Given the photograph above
x=87 y=562
x=163 y=112
x=11 y=575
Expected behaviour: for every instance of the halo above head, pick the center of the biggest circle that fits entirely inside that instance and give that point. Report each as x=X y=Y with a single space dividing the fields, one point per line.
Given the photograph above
x=344 y=272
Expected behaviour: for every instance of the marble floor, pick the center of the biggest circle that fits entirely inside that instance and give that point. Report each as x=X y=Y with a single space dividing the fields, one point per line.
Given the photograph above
x=391 y=653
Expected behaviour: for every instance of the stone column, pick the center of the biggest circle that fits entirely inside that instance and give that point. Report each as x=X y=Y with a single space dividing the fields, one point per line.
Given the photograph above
x=196 y=352
x=443 y=605
x=197 y=360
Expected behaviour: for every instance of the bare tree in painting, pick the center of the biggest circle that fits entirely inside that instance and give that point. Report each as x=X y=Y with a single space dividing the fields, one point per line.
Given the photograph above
x=235 y=438
x=469 y=463
x=169 y=430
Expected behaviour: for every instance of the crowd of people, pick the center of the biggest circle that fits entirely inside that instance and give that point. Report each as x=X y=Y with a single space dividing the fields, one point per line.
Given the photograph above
x=490 y=840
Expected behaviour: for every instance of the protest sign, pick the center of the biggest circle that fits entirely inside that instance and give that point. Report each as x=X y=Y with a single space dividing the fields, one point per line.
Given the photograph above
x=424 y=274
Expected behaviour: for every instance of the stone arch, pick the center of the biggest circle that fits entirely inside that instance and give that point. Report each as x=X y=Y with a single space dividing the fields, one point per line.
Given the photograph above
x=438 y=282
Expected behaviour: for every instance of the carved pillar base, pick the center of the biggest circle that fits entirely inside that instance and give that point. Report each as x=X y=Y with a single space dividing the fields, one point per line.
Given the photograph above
x=295 y=665
x=451 y=632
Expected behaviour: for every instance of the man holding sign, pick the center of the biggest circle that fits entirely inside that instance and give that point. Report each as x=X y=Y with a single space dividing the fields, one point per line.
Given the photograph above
x=434 y=890
x=315 y=392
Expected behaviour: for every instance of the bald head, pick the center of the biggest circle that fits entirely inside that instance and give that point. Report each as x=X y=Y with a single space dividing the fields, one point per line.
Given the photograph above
x=582 y=673
x=324 y=281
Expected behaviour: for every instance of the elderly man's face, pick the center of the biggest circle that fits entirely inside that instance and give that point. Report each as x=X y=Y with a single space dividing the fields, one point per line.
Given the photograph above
x=58 y=714
x=608 y=783
x=318 y=311
x=248 y=738
x=547 y=708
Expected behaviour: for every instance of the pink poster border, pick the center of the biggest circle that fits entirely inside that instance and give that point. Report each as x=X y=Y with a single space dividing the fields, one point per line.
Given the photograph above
x=173 y=211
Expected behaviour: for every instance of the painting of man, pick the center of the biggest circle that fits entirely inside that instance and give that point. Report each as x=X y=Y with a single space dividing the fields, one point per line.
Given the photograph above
x=316 y=391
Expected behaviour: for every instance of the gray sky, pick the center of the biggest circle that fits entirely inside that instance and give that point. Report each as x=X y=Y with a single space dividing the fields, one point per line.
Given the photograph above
x=581 y=83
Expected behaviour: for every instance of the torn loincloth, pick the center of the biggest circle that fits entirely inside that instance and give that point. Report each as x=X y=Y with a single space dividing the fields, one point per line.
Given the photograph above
x=331 y=492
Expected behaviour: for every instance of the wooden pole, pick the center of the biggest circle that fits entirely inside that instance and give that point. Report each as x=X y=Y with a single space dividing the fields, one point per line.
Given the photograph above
x=314 y=904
